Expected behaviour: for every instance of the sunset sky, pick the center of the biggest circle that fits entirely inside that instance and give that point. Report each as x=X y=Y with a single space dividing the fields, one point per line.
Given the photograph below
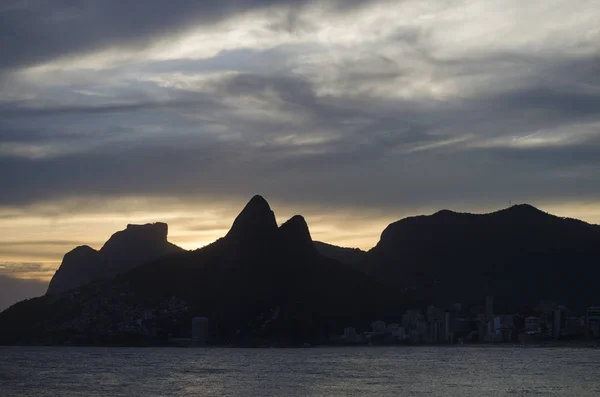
x=352 y=113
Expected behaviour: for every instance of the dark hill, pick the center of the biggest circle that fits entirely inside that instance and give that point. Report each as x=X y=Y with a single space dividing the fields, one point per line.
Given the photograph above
x=256 y=223
x=259 y=282
x=125 y=250
x=520 y=254
x=351 y=256
x=296 y=239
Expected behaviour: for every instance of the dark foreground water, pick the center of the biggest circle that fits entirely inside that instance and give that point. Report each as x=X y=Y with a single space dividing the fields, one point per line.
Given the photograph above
x=361 y=371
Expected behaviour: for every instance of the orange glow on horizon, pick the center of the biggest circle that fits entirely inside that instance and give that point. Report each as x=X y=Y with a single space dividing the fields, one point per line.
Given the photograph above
x=34 y=241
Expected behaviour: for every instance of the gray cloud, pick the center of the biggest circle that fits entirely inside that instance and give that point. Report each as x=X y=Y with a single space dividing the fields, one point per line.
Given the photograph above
x=386 y=123
x=13 y=290
x=368 y=143
x=36 y=31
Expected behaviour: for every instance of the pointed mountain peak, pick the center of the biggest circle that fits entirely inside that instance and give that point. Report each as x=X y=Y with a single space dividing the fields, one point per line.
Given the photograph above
x=296 y=224
x=256 y=220
x=296 y=236
x=258 y=201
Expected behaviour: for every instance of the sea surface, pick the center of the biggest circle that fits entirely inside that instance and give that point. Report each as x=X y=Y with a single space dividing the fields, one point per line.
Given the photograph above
x=359 y=371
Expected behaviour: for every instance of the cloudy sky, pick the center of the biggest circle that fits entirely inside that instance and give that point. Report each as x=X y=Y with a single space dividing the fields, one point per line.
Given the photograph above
x=353 y=113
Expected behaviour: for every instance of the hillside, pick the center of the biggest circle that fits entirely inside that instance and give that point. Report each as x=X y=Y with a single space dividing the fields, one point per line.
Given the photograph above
x=259 y=282
x=519 y=254
x=268 y=285
x=125 y=250
x=351 y=256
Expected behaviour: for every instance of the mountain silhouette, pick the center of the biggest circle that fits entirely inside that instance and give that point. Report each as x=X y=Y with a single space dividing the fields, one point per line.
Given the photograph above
x=295 y=237
x=259 y=282
x=125 y=250
x=255 y=223
x=520 y=254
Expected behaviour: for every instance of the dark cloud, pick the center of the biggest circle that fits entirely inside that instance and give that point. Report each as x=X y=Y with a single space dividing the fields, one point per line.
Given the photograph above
x=367 y=155
x=35 y=31
x=268 y=127
x=12 y=111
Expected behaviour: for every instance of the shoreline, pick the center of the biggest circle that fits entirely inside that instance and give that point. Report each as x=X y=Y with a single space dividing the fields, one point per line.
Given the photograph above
x=579 y=345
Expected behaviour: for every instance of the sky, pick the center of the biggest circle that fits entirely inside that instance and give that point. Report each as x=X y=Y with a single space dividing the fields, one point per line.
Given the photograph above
x=352 y=113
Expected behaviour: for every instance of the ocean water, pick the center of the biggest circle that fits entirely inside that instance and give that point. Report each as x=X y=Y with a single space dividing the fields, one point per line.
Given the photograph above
x=360 y=371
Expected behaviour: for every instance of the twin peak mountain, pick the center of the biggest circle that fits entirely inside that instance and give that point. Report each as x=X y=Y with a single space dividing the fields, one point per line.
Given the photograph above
x=255 y=229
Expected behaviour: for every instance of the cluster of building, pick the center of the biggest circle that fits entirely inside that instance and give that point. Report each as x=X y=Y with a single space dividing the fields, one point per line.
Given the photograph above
x=452 y=325
x=115 y=314
x=106 y=315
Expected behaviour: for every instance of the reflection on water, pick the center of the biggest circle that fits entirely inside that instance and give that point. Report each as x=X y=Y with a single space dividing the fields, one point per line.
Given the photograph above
x=360 y=371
